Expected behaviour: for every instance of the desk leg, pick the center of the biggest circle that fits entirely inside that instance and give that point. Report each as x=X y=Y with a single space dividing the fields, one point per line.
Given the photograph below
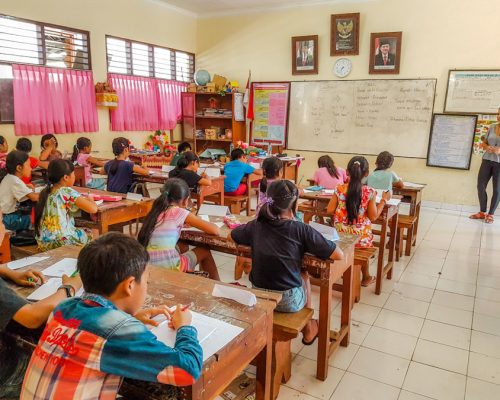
x=381 y=251
x=345 y=317
x=263 y=362
x=417 y=214
x=325 y=309
x=392 y=244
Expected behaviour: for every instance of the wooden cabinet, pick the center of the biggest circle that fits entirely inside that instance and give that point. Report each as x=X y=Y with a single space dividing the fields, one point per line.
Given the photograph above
x=195 y=119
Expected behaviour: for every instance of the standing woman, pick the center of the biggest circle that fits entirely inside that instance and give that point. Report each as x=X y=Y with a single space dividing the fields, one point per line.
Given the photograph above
x=490 y=168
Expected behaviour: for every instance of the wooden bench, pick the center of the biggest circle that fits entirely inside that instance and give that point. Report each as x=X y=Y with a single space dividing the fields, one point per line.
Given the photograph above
x=235 y=203
x=405 y=222
x=362 y=258
x=286 y=327
x=18 y=252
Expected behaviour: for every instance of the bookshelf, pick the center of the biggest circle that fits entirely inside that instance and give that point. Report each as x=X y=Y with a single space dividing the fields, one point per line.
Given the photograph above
x=197 y=115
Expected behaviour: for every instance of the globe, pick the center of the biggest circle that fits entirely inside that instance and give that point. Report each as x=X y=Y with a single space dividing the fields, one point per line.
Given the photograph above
x=201 y=77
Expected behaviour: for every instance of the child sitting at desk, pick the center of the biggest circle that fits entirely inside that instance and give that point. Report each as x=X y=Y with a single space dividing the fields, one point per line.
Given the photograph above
x=4 y=148
x=54 y=222
x=120 y=170
x=15 y=195
x=382 y=178
x=328 y=174
x=187 y=168
x=91 y=343
x=24 y=144
x=354 y=207
x=181 y=149
x=234 y=171
x=278 y=243
x=49 y=148
x=16 y=311
x=162 y=227
x=82 y=155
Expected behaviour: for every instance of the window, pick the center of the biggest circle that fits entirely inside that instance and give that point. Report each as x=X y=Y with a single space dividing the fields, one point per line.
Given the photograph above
x=142 y=59
x=28 y=42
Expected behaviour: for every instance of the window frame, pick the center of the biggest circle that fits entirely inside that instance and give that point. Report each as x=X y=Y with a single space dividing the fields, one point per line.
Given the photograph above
x=41 y=26
x=151 y=52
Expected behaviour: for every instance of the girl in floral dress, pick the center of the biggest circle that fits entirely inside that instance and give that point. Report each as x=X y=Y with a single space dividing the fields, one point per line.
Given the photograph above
x=354 y=207
x=54 y=222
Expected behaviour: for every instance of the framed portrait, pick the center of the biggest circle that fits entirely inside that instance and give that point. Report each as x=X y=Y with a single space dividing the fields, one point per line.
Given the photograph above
x=305 y=55
x=385 y=52
x=344 y=34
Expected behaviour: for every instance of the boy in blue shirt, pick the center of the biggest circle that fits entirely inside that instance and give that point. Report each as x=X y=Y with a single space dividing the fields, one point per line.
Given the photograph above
x=91 y=343
x=234 y=171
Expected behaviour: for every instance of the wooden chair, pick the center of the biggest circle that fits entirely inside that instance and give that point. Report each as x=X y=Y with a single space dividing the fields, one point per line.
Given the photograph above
x=362 y=258
x=405 y=222
x=286 y=326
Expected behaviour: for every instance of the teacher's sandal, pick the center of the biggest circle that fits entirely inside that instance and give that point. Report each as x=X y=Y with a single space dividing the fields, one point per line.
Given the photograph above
x=488 y=219
x=479 y=215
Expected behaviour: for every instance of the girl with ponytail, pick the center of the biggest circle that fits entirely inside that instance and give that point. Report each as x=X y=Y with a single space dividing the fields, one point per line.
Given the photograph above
x=81 y=156
x=279 y=242
x=354 y=207
x=162 y=227
x=187 y=170
x=54 y=222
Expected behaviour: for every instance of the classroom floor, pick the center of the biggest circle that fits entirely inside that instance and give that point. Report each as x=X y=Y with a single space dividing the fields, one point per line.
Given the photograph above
x=434 y=332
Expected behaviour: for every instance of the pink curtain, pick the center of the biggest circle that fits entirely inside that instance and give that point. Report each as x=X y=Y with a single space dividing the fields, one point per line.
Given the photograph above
x=169 y=94
x=53 y=100
x=145 y=104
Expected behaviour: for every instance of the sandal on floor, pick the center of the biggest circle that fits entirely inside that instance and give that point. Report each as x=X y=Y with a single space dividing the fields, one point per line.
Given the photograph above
x=479 y=215
x=314 y=338
x=488 y=219
x=369 y=281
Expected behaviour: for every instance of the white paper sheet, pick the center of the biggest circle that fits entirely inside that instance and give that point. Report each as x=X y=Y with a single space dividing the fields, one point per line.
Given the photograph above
x=48 y=289
x=38 y=189
x=204 y=217
x=66 y=266
x=413 y=185
x=391 y=202
x=167 y=168
x=214 y=211
x=213 y=334
x=212 y=172
x=134 y=196
x=329 y=191
x=241 y=296
x=24 y=262
x=329 y=232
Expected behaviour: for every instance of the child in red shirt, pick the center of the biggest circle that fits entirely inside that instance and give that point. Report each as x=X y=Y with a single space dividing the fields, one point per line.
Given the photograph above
x=24 y=144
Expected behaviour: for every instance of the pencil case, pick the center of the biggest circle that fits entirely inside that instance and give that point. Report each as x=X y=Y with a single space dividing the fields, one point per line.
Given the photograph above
x=231 y=222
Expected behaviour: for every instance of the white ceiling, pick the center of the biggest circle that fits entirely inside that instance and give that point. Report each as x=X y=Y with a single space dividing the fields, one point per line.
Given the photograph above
x=209 y=8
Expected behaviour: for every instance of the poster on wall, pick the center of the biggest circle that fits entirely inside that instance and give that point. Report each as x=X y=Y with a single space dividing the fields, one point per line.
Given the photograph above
x=270 y=113
x=483 y=125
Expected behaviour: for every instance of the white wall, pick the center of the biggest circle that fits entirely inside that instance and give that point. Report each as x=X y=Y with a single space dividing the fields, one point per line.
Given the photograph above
x=142 y=20
x=438 y=35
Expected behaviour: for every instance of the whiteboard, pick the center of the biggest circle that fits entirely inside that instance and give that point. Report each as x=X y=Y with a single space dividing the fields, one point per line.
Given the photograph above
x=451 y=141
x=362 y=117
x=473 y=92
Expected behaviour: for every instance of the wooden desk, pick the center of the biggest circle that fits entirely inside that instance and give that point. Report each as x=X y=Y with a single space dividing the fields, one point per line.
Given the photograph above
x=116 y=212
x=171 y=287
x=327 y=273
x=318 y=205
x=412 y=195
x=290 y=167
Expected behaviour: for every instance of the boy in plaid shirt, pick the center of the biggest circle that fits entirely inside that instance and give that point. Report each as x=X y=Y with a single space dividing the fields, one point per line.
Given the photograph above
x=91 y=343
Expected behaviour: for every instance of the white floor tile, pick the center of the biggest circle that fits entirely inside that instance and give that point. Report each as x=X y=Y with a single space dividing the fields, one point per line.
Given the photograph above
x=413 y=292
x=488 y=281
x=405 y=395
x=369 y=297
x=398 y=322
x=355 y=387
x=379 y=366
x=487 y=324
x=488 y=293
x=390 y=342
x=359 y=331
x=453 y=300
x=434 y=382
x=441 y=356
x=290 y=394
x=418 y=279
x=450 y=315
x=362 y=312
x=465 y=288
x=487 y=307
x=446 y=334
x=340 y=359
x=484 y=343
x=484 y=368
x=405 y=305
x=304 y=378
x=480 y=390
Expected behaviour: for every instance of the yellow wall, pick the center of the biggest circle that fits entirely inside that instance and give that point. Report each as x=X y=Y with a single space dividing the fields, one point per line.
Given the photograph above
x=438 y=35
x=142 y=20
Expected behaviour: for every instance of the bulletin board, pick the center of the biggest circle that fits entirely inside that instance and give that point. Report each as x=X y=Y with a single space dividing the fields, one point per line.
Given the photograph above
x=269 y=106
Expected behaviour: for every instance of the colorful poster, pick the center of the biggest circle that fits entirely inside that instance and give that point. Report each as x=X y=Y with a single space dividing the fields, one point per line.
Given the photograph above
x=482 y=127
x=270 y=107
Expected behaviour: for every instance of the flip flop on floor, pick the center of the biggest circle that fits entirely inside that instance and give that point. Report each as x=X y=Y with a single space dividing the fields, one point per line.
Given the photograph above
x=314 y=338
x=488 y=219
x=369 y=281
x=479 y=215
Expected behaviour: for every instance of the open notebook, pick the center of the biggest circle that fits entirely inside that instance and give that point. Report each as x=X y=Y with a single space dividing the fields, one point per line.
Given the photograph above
x=213 y=334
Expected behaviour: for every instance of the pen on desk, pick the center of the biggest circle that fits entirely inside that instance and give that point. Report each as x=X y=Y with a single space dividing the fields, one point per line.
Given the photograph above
x=74 y=274
x=31 y=280
x=184 y=308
